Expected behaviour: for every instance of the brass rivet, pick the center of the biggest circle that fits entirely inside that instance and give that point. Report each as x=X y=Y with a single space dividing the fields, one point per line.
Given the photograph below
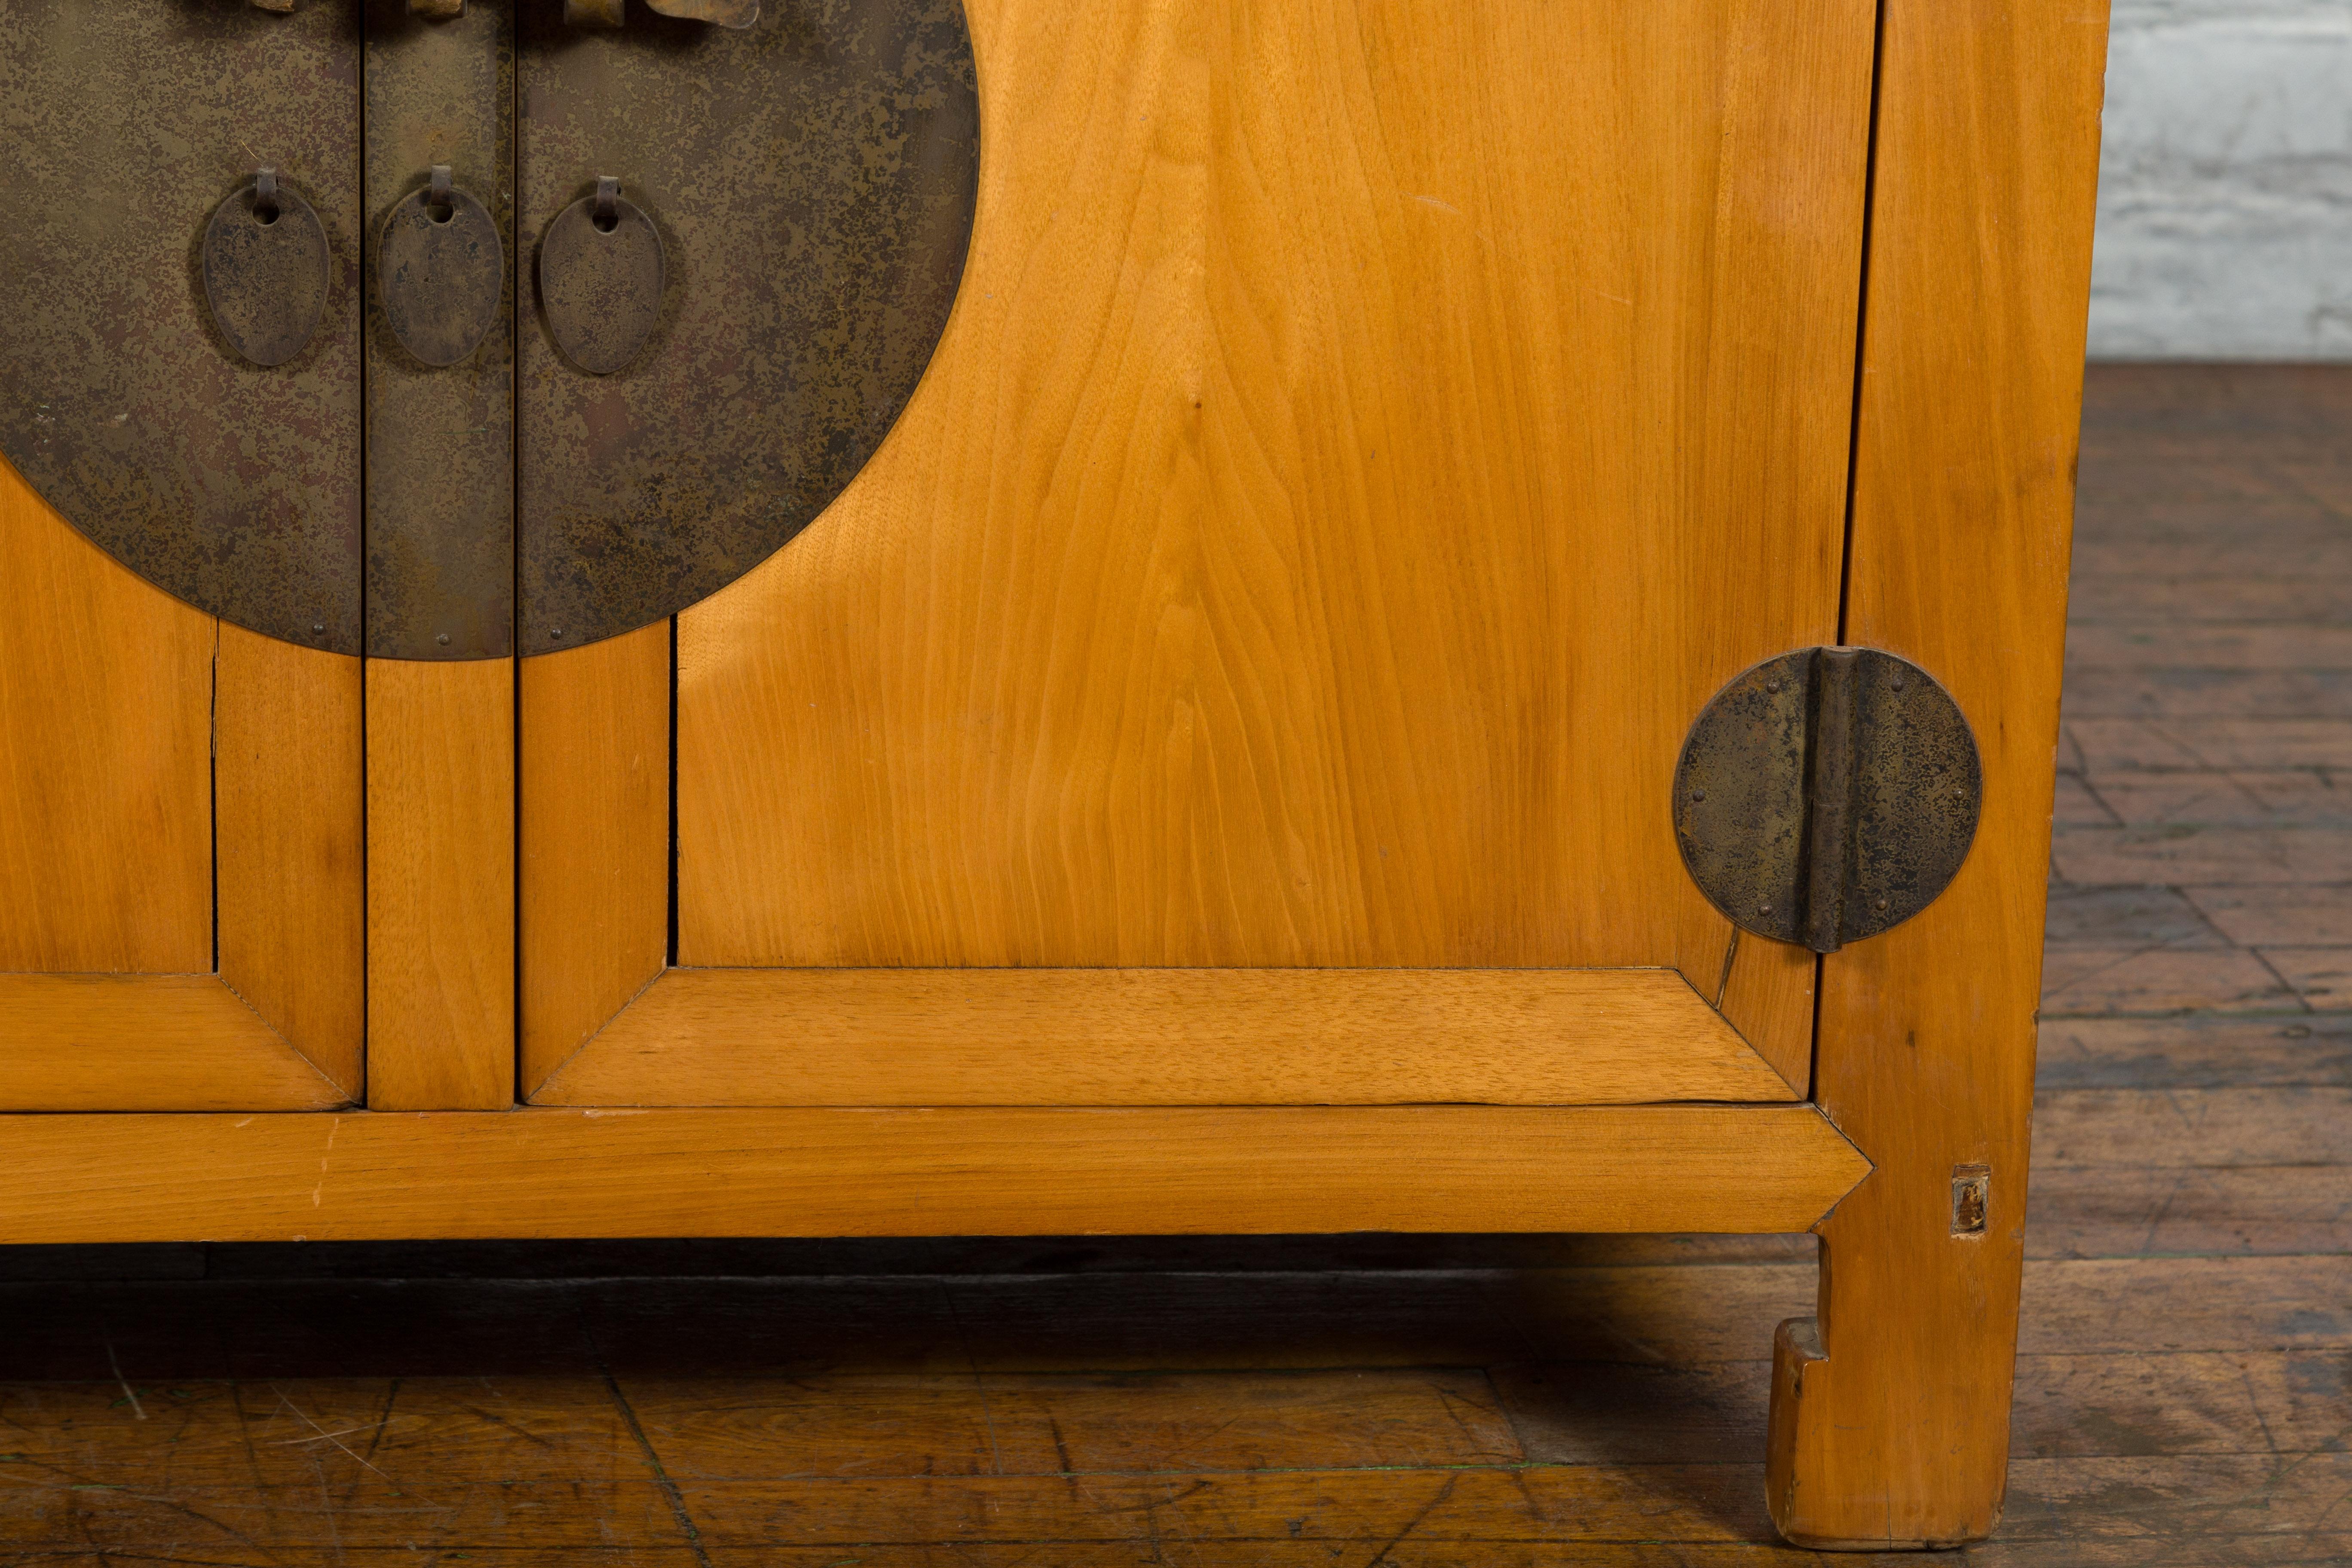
x=1763 y=909
x=443 y=638
x=1771 y=686
x=1698 y=795
x=556 y=632
x=1882 y=903
x=318 y=626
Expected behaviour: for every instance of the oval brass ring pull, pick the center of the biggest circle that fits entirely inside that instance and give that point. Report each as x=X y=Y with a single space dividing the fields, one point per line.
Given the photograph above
x=440 y=270
x=267 y=270
x=601 y=275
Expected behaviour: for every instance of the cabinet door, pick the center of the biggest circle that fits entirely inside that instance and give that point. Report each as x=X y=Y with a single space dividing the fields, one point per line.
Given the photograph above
x=1253 y=669
x=180 y=803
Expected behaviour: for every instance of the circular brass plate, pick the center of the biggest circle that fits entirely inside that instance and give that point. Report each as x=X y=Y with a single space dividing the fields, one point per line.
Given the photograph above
x=1747 y=809
x=175 y=421
x=812 y=179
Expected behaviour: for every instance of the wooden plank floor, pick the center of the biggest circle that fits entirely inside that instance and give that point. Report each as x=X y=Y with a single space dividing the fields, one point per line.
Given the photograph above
x=2185 y=1392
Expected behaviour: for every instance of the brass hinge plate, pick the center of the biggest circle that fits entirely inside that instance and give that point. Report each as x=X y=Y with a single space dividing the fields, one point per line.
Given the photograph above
x=1827 y=795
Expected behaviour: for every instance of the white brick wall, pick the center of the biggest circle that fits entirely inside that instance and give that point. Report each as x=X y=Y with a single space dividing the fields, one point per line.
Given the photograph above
x=2225 y=188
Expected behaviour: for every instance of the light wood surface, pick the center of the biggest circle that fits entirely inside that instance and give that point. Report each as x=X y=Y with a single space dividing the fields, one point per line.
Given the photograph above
x=1366 y=434
x=146 y=1042
x=1519 y=1402
x=134 y=728
x=1892 y=1429
x=594 y=743
x=106 y=689
x=289 y=813
x=440 y=885
x=917 y=1173
x=1165 y=1037
x=1768 y=997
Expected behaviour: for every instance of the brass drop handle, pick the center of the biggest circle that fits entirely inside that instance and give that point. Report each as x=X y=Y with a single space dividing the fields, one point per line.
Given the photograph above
x=602 y=271
x=266 y=270
x=440 y=270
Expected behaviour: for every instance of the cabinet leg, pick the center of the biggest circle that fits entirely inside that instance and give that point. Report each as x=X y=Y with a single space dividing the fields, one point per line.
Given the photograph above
x=1890 y=1409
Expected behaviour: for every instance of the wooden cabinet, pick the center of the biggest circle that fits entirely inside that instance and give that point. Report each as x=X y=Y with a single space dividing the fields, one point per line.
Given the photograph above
x=1211 y=769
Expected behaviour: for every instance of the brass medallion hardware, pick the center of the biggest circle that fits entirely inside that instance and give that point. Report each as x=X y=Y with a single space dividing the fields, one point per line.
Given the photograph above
x=813 y=209
x=130 y=397
x=440 y=439
x=440 y=270
x=1826 y=795
x=600 y=280
x=390 y=424
x=267 y=270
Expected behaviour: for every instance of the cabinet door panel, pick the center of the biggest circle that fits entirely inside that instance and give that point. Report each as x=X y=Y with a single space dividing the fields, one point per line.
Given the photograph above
x=179 y=808
x=105 y=705
x=1366 y=434
x=143 y=743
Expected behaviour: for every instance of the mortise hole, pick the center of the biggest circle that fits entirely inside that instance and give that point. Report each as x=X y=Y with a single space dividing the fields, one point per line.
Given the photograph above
x=606 y=222
x=1971 y=1198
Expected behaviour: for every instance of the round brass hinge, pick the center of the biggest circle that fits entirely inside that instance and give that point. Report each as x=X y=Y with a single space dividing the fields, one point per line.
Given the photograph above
x=1826 y=795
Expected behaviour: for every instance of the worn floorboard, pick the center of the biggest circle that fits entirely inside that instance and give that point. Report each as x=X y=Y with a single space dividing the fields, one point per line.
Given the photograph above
x=2185 y=1377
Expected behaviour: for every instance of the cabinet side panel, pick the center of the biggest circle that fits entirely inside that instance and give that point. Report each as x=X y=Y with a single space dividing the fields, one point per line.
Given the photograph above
x=105 y=764
x=293 y=921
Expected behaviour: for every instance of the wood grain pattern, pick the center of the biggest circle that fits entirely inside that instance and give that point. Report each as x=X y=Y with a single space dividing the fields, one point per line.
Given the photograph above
x=1317 y=528
x=1165 y=1037
x=1283 y=1399
x=1979 y=275
x=146 y=1042
x=919 y=1172
x=440 y=887
x=594 y=743
x=290 y=810
x=1768 y=997
x=106 y=688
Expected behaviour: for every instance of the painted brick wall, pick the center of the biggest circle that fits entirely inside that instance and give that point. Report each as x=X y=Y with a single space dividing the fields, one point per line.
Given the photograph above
x=2225 y=190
